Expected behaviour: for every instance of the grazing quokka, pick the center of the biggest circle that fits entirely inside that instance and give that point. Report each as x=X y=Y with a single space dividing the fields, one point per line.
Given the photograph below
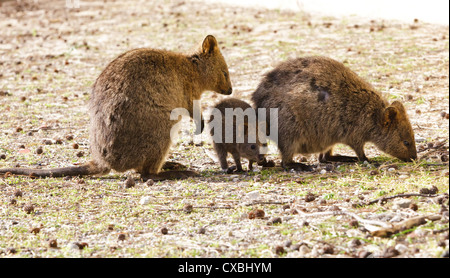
x=322 y=103
x=130 y=109
x=246 y=149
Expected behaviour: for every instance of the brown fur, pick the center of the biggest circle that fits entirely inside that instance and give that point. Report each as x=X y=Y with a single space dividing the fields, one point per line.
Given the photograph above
x=237 y=150
x=131 y=103
x=322 y=103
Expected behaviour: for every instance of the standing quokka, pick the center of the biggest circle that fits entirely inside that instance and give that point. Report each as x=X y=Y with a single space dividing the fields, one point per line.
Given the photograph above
x=246 y=149
x=322 y=103
x=130 y=109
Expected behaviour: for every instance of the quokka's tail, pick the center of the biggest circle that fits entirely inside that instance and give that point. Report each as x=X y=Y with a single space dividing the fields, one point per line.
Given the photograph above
x=89 y=168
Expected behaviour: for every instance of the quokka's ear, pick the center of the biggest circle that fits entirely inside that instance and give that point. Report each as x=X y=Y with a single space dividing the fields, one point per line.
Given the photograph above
x=209 y=45
x=399 y=106
x=390 y=116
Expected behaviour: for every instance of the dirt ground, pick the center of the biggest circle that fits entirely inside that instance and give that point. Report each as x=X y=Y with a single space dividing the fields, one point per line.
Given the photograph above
x=51 y=52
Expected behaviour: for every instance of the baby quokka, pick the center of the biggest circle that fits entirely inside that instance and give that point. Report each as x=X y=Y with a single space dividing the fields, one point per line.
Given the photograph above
x=248 y=146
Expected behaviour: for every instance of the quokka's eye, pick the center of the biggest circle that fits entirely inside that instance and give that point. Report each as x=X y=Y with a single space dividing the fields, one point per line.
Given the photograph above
x=406 y=143
x=225 y=74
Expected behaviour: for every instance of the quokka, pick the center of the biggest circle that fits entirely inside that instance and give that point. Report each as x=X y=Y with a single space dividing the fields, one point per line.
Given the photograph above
x=130 y=108
x=321 y=103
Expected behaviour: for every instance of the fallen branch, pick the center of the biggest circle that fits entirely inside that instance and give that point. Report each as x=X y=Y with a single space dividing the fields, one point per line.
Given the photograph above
x=373 y=226
x=383 y=200
x=405 y=225
x=369 y=223
x=435 y=146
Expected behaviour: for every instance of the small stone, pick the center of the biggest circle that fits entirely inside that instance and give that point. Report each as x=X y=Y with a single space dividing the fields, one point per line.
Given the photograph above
x=390 y=252
x=434 y=190
x=29 y=208
x=47 y=142
x=150 y=182
x=202 y=230
x=401 y=248
x=39 y=150
x=78 y=245
x=373 y=172
x=35 y=230
x=353 y=223
x=11 y=250
x=188 y=208
x=304 y=249
x=402 y=203
x=304 y=223
x=53 y=243
x=288 y=243
x=364 y=254
x=129 y=182
x=279 y=250
x=328 y=249
x=254 y=195
x=274 y=221
x=164 y=230
x=17 y=193
x=354 y=243
x=310 y=197
x=296 y=247
x=145 y=200
x=122 y=236
x=256 y=213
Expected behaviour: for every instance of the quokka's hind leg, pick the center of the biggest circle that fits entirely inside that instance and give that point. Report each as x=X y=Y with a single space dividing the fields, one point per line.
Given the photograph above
x=170 y=175
x=152 y=170
x=287 y=156
x=329 y=157
x=171 y=165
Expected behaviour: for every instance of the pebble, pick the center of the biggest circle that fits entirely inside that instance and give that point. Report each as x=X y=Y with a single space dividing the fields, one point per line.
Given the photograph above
x=253 y=195
x=73 y=246
x=419 y=139
x=129 y=182
x=401 y=248
x=323 y=171
x=145 y=200
x=304 y=250
x=402 y=203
